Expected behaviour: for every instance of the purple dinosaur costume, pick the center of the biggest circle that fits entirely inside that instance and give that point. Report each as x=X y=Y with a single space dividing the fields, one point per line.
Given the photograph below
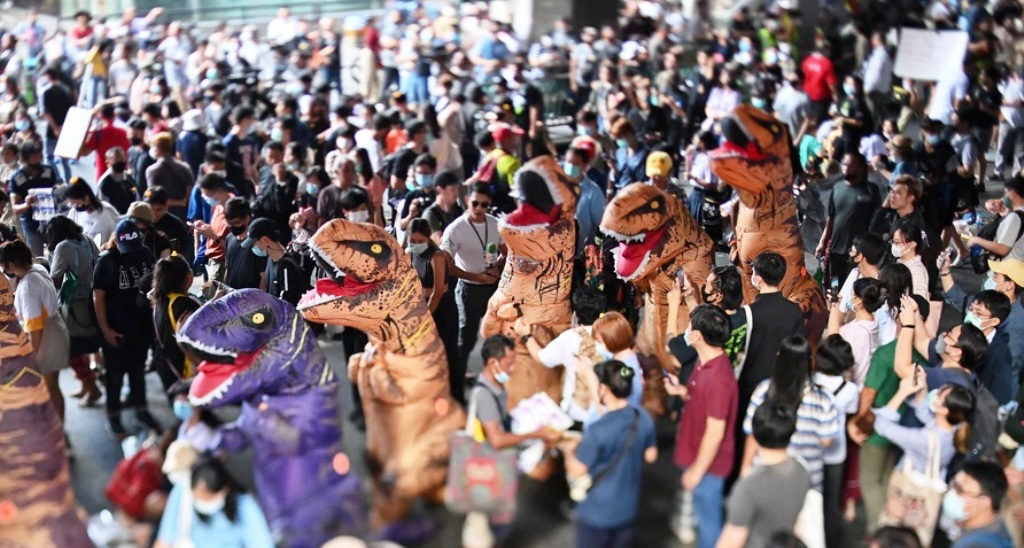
x=258 y=351
x=37 y=506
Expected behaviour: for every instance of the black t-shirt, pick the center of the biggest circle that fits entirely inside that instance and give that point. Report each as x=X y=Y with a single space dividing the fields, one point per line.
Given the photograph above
x=120 y=275
x=119 y=194
x=243 y=266
x=852 y=208
x=854 y=108
x=412 y=197
x=531 y=96
x=57 y=101
x=774 y=318
x=404 y=159
x=285 y=279
x=438 y=219
x=156 y=242
x=24 y=180
x=175 y=233
x=142 y=162
x=990 y=98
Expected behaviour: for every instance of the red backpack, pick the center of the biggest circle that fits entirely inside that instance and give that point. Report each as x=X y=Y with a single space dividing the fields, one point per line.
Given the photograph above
x=133 y=480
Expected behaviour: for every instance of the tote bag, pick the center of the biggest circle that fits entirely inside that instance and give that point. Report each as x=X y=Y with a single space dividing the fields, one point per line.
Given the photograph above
x=914 y=499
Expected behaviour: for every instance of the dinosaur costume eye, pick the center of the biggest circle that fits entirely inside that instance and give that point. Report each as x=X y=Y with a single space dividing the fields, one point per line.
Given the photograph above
x=258 y=318
x=654 y=206
x=376 y=249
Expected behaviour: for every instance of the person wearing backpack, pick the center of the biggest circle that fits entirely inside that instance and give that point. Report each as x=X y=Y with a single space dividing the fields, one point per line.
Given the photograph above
x=172 y=305
x=284 y=276
x=1006 y=241
x=500 y=164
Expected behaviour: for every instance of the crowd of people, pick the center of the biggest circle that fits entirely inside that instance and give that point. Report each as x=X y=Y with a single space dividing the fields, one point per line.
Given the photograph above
x=218 y=155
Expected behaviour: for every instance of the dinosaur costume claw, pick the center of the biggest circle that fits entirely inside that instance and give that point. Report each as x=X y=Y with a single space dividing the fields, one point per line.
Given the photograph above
x=756 y=160
x=402 y=374
x=255 y=350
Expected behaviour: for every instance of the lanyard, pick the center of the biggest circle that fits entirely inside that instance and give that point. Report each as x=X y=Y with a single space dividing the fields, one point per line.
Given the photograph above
x=487 y=235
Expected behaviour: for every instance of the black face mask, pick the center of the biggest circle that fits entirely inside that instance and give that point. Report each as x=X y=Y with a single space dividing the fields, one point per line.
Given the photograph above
x=118 y=167
x=135 y=141
x=706 y=295
x=82 y=208
x=238 y=230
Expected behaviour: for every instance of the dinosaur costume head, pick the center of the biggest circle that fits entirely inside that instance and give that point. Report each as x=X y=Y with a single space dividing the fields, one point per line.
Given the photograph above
x=756 y=154
x=545 y=195
x=247 y=343
x=646 y=222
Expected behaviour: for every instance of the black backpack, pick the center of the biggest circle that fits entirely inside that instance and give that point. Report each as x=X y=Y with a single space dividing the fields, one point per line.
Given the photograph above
x=980 y=256
x=985 y=426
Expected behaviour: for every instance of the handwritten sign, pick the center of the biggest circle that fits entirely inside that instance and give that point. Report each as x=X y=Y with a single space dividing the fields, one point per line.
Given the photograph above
x=930 y=55
x=73 y=132
x=47 y=205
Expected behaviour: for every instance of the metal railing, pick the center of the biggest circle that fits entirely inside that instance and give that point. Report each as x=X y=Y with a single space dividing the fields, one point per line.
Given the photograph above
x=203 y=14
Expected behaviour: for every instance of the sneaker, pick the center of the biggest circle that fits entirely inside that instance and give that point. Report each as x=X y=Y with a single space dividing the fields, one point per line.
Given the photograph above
x=117 y=428
x=144 y=417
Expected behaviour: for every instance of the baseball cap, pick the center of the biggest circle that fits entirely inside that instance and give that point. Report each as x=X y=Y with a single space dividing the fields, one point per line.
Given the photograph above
x=659 y=164
x=501 y=132
x=259 y=228
x=129 y=238
x=140 y=211
x=901 y=142
x=192 y=120
x=1011 y=268
x=585 y=144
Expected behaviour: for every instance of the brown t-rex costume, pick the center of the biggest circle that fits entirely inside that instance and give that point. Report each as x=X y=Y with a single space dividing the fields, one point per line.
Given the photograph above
x=37 y=505
x=402 y=375
x=657 y=237
x=756 y=160
x=541 y=239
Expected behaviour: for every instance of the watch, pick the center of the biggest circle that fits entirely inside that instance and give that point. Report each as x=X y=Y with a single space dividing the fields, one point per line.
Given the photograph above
x=524 y=338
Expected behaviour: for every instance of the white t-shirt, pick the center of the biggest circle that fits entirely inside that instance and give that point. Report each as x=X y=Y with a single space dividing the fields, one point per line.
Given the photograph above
x=846 y=401
x=863 y=338
x=467 y=242
x=946 y=93
x=562 y=351
x=1008 y=229
x=100 y=223
x=35 y=299
x=919 y=275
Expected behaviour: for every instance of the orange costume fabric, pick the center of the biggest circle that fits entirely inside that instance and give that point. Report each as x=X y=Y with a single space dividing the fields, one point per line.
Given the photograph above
x=402 y=375
x=535 y=285
x=756 y=160
x=657 y=237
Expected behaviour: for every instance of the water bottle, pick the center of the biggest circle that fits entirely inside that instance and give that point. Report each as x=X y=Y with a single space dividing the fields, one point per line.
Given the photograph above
x=685 y=525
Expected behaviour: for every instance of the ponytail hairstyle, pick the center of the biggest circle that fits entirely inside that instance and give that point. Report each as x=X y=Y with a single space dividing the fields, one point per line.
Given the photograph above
x=169 y=276
x=959 y=404
x=871 y=293
x=897 y=281
x=617 y=376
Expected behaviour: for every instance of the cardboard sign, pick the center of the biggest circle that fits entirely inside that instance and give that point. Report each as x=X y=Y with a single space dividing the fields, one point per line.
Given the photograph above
x=73 y=132
x=930 y=55
x=47 y=205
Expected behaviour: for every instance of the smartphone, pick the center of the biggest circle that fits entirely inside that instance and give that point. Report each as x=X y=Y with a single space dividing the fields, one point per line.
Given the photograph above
x=681 y=278
x=671 y=378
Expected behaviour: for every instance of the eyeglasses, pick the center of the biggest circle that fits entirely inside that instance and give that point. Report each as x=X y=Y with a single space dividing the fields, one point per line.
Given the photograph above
x=484 y=205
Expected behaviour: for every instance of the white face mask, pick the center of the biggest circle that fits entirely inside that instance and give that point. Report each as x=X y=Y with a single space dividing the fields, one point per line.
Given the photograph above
x=210 y=507
x=897 y=251
x=358 y=216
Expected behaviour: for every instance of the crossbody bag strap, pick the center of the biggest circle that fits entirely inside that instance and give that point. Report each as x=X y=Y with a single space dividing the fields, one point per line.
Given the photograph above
x=594 y=479
x=840 y=389
x=746 y=343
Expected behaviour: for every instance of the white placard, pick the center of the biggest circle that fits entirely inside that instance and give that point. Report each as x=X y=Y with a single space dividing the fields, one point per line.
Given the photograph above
x=46 y=205
x=73 y=132
x=930 y=55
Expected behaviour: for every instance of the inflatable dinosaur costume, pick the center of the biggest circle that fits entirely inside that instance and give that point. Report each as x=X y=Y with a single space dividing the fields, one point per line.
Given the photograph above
x=256 y=350
x=541 y=239
x=756 y=160
x=657 y=237
x=37 y=506
x=403 y=375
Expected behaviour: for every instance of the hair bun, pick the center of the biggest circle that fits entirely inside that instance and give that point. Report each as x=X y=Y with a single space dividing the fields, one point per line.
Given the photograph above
x=625 y=372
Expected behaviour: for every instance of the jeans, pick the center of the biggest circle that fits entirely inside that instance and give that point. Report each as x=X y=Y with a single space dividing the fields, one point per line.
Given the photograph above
x=696 y=203
x=707 y=509
x=472 y=302
x=391 y=78
x=1010 y=149
x=588 y=536
x=415 y=88
x=332 y=76
x=832 y=495
x=876 y=464
x=127 y=359
x=49 y=145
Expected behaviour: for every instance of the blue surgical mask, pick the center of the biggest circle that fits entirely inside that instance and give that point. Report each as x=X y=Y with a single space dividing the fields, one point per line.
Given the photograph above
x=953 y=506
x=258 y=252
x=934 y=139
x=654 y=100
x=312 y=189
x=930 y=400
x=974 y=320
x=21 y=125
x=622 y=143
x=744 y=46
x=848 y=89
x=571 y=169
x=686 y=337
x=276 y=134
x=424 y=180
x=584 y=130
x=210 y=201
x=990 y=283
x=603 y=350
x=940 y=344
x=501 y=376
x=758 y=102
x=418 y=249
x=183 y=410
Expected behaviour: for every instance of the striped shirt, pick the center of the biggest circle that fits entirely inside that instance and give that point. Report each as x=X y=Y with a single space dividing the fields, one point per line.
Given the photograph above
x=817 y=421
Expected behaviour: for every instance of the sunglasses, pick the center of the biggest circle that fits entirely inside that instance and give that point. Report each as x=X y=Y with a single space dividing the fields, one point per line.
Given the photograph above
x=484 y=205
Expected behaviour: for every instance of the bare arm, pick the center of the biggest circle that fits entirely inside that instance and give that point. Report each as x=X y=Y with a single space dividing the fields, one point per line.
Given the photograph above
x=749 y=450
x=440 y=266
x=714 y=433
x=733 y=536
x=99 y=300
x=498 y=438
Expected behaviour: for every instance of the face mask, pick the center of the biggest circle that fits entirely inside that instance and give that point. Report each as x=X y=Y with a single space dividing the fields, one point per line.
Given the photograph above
x=758 y=102
x=654 y=101
x=687 y=338
x=21 y=125
x=974 y=320
x=744 y=46
x=848 y=303
x=276 y=134
x=990 y=283
x=154 y=90
x=418 y=249
x=118 y=167
x=259 y=252
x=237 y=230
x=621 y=143
x=135 y=141
x=848 y=89
x=934 y=139
x=1007 y=202
x=584 y=130
x=183 y=410
x=210 y=201
x=312 y=189
x=292 y=166
x=501 y=376
x=209 y=507
x=358 y=216
x=602 y=350
x=82 y=208
x=931 y=400
x=897 y=251
x=940 y=344
x=953 y=506
x=570 y=169
x=754 y=282
x=424 y=180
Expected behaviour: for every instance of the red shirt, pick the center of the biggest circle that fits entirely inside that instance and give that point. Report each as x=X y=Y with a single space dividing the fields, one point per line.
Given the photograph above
x=104 y=139
x=715 y=394
x=819 y=76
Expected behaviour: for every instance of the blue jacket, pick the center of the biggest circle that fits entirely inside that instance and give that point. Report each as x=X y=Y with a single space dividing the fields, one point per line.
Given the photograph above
x=589 y=210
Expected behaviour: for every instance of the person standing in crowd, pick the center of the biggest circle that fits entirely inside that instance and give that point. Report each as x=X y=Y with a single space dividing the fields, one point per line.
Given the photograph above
x=245 y=267
x=705 y=445
x=1011 y=126
x=819 y=82
x=240 y=149
x=590 y=206
x=283 y=276
x=902 y=205
x=97 y=219
x=277 y=201
x=105 y=138
x=771 y=497
x=215 y=193
x=328 y=204
x=1009 y=243
x=172 y=174
x=191 y=142
x=499 y=165
x=116 y=186
x=908 y=246
x=973 y=501
x=478 y=256
x=54 y=103
x=445 y=209
x=119 y=304
x=630 y=161
x=605 y=518
x=33 y=174
x=172 y=305
x=614 y=338
x=432 y=267
x=850 y=207
x=35 y=303
x=861 y=332
x=172 y=227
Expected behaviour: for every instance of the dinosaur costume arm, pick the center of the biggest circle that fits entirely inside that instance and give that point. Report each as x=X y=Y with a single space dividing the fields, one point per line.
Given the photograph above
x=230 y=438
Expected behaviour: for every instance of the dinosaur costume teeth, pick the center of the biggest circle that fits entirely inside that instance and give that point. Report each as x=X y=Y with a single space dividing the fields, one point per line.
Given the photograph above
x=656 y=237
x=403 y=373
x=541 y=239
x=756 y=159
x=255 y=350
x=37 y=505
